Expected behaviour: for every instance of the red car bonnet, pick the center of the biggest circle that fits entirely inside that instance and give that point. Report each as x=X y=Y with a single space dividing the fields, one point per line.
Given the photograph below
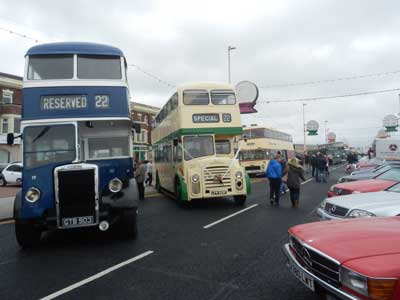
x=364 y=186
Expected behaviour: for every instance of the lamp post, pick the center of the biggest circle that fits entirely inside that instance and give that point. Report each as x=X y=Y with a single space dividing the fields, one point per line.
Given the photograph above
x=230 y=48
x=304 y=131
x=326 y=132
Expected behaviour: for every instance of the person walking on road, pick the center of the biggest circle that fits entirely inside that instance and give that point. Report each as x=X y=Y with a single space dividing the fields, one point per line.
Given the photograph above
x=274 y=175
x=313 y=162
x=140 y=175
x=295 y=173
x=284 y=167
x=321 y=168
x=149 y=171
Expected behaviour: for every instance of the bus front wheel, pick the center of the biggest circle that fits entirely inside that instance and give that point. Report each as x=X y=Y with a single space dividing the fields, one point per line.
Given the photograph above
x=240 y=200
x=27 y=235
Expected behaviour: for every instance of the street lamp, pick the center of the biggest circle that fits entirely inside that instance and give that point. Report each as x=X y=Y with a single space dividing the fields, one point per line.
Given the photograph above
x=326 y=130
x=230 y=48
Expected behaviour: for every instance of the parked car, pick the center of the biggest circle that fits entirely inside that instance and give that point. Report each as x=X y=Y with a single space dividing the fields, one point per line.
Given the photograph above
x=12 y=174
x=378 y=204
x=373 y=173
x=369 y=163
x=380 y=183
x=385 y=163
x=347 y=259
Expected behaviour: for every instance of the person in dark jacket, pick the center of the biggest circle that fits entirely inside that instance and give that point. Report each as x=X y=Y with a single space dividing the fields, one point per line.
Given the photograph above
x=274 y=175
x=295 y=173
x=313 y=162
x=321 y=168
x=140 y=175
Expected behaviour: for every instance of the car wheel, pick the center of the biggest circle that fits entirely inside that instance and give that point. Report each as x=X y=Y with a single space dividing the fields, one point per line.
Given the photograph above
x=27 y=235
x=128 y=225
x=19 y=181
x=239 y=200
x=3 y=182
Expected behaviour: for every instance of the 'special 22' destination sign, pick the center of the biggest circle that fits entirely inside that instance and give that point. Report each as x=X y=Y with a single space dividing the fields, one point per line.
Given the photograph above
x=205 y=118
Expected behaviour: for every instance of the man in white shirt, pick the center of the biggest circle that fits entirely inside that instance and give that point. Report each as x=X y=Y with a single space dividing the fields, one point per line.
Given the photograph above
x=149 y=171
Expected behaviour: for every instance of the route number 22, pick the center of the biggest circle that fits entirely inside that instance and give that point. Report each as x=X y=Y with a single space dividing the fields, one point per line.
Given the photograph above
x=102 y=101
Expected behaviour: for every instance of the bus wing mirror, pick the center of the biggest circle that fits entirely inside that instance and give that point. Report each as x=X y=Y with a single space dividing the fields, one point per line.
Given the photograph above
x=175 y=142
x=137 y=127
x=10 y=139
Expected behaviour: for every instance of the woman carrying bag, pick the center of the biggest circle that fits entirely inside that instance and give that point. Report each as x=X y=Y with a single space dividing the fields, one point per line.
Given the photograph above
x=295 y=173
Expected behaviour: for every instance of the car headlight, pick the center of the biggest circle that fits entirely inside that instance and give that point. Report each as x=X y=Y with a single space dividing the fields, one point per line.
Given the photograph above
x=354 y=281
x=356 y=192
x=115 y=185
x=32 y=195
x=373 y=288
x=323 y=204
x=359 y=213
x=195 y=178
x=332 y=188
x=238 y=175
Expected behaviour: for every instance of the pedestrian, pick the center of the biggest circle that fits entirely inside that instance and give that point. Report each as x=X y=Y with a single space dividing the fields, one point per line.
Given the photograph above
x=321 y=168
x=284 y=167
x=326 y=157
x=149 y=171
x=313 y=162
x=274 y=175
x=307 y=162
x=370 y=153
x=295 y=173
x=140 y=176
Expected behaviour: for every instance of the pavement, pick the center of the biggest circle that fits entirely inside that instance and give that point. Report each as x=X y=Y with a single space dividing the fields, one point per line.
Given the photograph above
x=210 y=250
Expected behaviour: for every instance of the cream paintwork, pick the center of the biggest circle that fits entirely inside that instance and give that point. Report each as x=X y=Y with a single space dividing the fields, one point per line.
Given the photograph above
x=259 y=144
x=181 y=118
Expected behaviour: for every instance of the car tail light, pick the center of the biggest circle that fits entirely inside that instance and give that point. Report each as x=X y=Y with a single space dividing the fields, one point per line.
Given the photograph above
x=381 y=288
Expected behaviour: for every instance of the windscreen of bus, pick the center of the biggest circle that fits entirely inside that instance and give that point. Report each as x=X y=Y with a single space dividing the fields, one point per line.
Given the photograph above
x=48 y=144
x=99 y=67
x=51 y=67
x=252 y=155
x=198 y=146
x=223 y=97
x=195 y=97
x=223 y=147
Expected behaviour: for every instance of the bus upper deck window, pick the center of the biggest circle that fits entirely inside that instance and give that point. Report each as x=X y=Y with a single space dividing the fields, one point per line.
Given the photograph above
x=195 y=97
x=99 y=67
x=51 y=67
x=222 y=97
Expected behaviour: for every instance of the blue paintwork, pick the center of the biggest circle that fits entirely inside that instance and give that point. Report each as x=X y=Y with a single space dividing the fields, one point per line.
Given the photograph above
x=108 y=169
x=119 y=103
x=74 y=48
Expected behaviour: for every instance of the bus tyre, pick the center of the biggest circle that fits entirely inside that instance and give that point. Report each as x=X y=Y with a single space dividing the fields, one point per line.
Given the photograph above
x=240 y=200
x=27 y=235
x=128 y=224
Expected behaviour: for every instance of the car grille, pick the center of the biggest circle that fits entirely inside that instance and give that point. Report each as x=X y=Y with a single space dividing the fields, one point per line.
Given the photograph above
x=252 y=168
x=341 y=192
x=335 y=210
x=76 y=193
x=319 y=265
x=213 y=177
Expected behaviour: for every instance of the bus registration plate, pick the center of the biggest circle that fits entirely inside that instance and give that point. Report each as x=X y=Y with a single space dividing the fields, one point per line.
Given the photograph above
x=218 y=193
x=77 y=221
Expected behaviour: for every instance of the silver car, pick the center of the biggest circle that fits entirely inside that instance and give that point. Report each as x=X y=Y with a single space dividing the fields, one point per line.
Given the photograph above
x=377 y=204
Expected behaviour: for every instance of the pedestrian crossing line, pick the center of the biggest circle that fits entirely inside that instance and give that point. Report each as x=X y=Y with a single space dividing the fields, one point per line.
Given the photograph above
x=307 y=181
x=230 y=216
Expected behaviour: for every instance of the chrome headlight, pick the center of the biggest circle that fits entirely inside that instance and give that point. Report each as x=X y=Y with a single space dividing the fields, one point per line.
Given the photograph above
x=239 y=175
x=359 y=213
x=32 y=195
x=323 y=204
x=115 y=185
x=195 y=178
x=332 y=188
x=354 y=281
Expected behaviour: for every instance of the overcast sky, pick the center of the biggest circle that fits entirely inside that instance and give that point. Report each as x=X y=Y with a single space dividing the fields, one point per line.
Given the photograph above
x=277 y=42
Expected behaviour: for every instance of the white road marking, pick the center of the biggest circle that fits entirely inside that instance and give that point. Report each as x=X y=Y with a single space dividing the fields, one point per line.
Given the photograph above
x=96 y=276
x=307 y=181
x=230 y=216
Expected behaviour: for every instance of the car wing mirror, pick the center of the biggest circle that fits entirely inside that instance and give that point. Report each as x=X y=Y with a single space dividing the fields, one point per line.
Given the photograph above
x=10 y=139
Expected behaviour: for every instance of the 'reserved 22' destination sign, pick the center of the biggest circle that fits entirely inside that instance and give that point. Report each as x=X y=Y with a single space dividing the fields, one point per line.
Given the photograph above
x=70 y=102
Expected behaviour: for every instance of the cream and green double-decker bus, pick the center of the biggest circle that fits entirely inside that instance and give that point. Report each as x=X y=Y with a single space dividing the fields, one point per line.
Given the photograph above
x=193 y=144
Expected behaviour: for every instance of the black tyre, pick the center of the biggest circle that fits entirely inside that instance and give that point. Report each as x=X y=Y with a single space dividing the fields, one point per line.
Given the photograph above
x=128 y=227
x=19 y=181
x=3 y=182
x=158 y=185
x=239 y=200
x=27 y=235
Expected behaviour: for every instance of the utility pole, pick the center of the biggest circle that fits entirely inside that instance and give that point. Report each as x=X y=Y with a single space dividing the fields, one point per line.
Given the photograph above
x=326 y=132
x=230 y=48
x=304 y=131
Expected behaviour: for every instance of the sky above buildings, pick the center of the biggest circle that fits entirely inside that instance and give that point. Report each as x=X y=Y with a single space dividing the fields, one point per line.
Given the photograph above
x=332 y=44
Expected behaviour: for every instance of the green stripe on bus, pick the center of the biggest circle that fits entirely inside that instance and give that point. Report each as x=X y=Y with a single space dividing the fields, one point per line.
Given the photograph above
x=195 y=131
x=182 y=189
x=248 y=184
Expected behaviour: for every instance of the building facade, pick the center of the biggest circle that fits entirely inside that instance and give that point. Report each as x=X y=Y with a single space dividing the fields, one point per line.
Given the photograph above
x=10 y=116
x=144 y=115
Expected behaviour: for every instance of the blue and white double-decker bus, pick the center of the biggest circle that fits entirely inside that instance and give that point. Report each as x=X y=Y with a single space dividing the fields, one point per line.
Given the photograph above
x=76 y=137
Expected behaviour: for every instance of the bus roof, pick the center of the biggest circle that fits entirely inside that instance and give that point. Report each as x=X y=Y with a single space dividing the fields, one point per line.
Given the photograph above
x=74 y=48
x=205 y=86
